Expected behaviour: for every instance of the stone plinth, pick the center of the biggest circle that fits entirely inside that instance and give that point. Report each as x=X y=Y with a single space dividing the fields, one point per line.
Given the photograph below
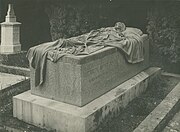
x=10 y=37
x=78 y=80
x=63 y=117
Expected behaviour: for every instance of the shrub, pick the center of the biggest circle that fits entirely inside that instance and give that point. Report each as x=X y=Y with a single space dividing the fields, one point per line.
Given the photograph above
x=68 y=20
x=164 y=32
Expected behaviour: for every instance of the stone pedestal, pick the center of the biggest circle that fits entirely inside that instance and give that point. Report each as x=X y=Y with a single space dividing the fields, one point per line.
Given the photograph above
x=10 y=33
x=63 y=117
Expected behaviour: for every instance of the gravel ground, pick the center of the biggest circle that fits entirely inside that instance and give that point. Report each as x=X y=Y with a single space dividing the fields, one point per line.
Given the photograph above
x=128 y=120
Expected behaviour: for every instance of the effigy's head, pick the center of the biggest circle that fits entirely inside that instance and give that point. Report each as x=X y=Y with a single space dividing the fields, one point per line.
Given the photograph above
x=119 y=26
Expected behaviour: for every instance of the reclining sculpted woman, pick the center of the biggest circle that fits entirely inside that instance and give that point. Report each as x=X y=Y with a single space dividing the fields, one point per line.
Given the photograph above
x=126 y=39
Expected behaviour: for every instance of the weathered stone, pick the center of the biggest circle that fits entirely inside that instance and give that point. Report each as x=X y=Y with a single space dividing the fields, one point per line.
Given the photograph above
x=11 y=85
x=10 y=14
x=10 y=33
x=59 y=116
x=78 y=80
x=9 y=80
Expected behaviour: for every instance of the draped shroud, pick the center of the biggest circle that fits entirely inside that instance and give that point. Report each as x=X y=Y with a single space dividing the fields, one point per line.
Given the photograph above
x=129 y=41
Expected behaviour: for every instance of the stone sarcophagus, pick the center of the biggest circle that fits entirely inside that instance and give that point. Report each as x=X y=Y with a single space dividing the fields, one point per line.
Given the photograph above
x=81 y=93
x=78 y=80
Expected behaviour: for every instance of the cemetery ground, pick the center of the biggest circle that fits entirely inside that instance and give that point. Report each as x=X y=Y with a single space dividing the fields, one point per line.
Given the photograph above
x=136 y=111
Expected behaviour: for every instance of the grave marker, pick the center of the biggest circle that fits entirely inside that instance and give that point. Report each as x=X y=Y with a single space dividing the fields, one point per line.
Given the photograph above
x=10 y=33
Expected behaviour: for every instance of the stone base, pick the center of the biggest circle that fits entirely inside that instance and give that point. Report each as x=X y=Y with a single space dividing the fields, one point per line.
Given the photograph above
x=55 y=115
x=10 y=48
x=11 y=85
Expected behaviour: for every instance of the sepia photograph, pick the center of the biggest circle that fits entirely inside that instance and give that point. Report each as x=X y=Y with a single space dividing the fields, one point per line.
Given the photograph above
x=89 y=65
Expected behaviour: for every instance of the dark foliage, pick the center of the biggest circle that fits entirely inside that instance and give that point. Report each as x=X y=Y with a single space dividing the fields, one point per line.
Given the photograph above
x=69 y=19
x=164 y=32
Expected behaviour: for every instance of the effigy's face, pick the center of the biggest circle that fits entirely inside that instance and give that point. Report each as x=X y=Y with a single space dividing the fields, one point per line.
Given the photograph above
x=120 y=27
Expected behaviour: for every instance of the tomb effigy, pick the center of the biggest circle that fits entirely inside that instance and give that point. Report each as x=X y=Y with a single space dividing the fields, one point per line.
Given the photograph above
x=80 y=79
x=77 y=82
